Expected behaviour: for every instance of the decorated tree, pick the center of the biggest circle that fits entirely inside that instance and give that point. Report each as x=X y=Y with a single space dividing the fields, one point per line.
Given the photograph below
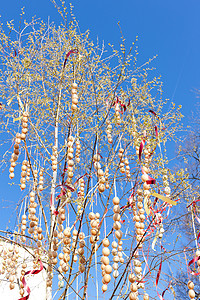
x=85 y=132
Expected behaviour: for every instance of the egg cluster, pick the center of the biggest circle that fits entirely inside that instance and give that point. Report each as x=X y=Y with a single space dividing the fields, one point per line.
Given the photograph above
x=191 y=292
x=70 y=161
x=78 y=151
x=41 y=180
x=80 y=198
x=117 y=113
x=95 y=232
x=100 y=173
x=23 y=174
x=74 y=97
x=64 y=256
x=54 y=159
x=15 y=155
x=106 y=174
x=82 y=260
x=109 y=131
x=105 y=266
x=9 y=264
x=24 y=125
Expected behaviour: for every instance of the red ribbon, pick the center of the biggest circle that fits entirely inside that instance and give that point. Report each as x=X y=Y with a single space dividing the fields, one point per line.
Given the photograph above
x=156 y=131
x=141 y=148
x=158 y=276
x=24 y=282
x=55 y=212
x=153 y=112
x=150 y=179
x=68 y=54
x=193 y=261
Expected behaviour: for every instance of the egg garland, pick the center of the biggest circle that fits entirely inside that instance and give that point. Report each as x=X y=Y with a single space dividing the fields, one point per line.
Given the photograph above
x=81 y=252
x=118 y=233
x=95 y=232
x=54 y=159
x=121 y=259
x=15 y=155
x=23 y=175
x=100 y=173
x=65 y=256
x=10 y=256
x=24 y=125
x=146 y=186
x=41 y=180
x=74 y=97
x=191 y=292
x=61 y=218
x=61 y=281
x=134 y=128
x=78 y=151
x=35 y=177
x=70 y=161
x=139 y=218
x=105 y=266
x=117 y=219
x=108 y=131
x=12 y=271
x=146 y=296
x=117 y=113
x=23 y=228
x=28 y=172
x=121 y=164
x=32 y=211
x=115 y=260
x=128 y=174
x=81 y=194
x=138 y=272
x=21 y=291
x=106 y=174
x=133 y=287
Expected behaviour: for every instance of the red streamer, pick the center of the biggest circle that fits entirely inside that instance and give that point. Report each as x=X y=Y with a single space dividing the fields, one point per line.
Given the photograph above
x=32 y=272
x=68 y=54
x=153 y=112
x=141 y=148
x=150 y=179
x=158 y=276
x=191 y=262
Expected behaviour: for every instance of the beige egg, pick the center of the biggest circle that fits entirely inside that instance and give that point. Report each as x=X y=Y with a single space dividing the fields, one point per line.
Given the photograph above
x=106 y=242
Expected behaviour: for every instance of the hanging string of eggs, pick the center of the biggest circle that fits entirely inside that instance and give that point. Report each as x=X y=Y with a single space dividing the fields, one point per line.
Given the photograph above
x=80 y=196
x=100 y=173
x=15 y=155
x=191 y=292
x=81 y=252
x=95 y=232
x=41 y=180
x=78 y=151
x=54 y=158
x=70 y=161
x=106 y=174
x=105 y=266
x=23 y=175
x=117 y=113
x=108 y=131
x=74 y=97
x=115 y=260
